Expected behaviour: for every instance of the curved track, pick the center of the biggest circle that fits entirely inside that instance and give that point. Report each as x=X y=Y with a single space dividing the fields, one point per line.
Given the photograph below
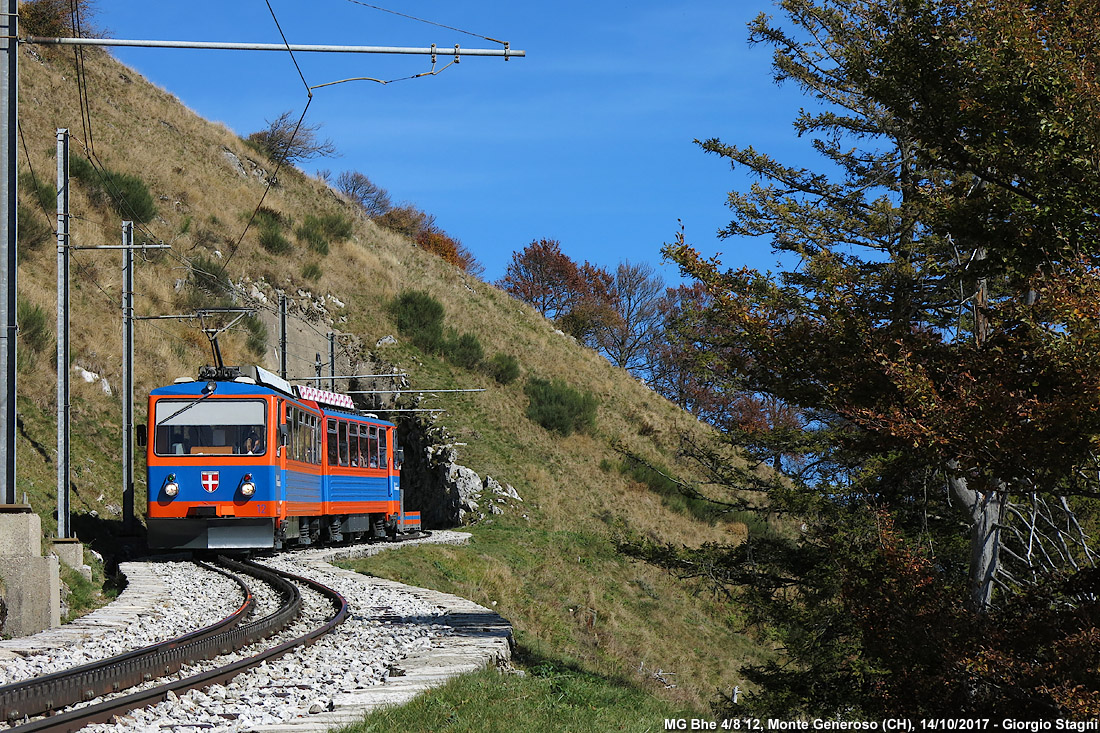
x=52 y=692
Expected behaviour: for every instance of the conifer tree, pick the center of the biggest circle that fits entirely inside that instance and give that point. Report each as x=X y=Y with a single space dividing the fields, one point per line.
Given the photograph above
x=938 y=338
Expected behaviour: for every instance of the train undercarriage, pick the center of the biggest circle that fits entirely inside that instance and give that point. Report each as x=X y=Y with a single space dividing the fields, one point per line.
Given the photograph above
x=258 y=533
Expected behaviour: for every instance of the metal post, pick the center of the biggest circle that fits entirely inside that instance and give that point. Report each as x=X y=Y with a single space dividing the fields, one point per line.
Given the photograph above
x=282 y=335
x=63 y=407
x=128 y=377
x=317 y=365
x=331 y=361
x=507 y=52
x=9 y=263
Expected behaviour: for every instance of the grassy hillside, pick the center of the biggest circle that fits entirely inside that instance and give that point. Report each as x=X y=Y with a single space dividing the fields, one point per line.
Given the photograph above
x=548 y=563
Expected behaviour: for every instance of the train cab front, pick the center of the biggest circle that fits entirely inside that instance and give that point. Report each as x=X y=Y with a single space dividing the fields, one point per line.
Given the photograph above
x=213 y=472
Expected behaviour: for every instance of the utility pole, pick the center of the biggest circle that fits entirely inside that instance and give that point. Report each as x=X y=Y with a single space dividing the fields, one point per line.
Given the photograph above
x=332 y=361
x=282 y=335
x=9 y=264
x=128 y=377
x=64 y=416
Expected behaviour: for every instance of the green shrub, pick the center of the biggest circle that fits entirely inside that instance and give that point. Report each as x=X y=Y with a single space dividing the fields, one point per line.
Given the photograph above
x=257 y=334
x=127 y=195
x=464 y=351
x=32 y=229
x=312 y=234
x=130 y=197
x=311 y=271
x=420 y=317
x=504 y=368
x=34 y=326
x=43 y=193
x=270 y=223
x=265 y=218
x=335 y=226
x=273 y=241
x=208 y=280
x=559 y=408
x=669 y=491
x=82 y=169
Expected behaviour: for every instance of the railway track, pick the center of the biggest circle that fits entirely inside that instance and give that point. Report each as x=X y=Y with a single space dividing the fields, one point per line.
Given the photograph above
x=49 y=694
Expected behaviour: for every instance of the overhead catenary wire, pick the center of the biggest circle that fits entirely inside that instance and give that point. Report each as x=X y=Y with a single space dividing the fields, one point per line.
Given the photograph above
x=289 y=142
x=424 y=20
x=34 y=178
x=240 y=291
x=286 y=43
x=78 y=56
x=273 y=177
x=116 y=194
x=432 y=72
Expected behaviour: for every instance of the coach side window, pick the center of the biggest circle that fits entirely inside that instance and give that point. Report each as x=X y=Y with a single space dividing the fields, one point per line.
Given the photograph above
x=304 y=437
x=382 y=447
x=315 y=425
x=374 y=447
x=364 y=446
x=332 y=455
x=353 y=444
x=291 y=432
x=294 y=433
x=301 y=433
x=343 y=443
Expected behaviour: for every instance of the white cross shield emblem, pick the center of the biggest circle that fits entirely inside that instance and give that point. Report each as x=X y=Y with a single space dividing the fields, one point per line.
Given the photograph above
x=210 y=480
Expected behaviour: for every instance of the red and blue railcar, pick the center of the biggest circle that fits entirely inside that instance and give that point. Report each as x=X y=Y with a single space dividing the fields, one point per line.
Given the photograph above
x=252 y=462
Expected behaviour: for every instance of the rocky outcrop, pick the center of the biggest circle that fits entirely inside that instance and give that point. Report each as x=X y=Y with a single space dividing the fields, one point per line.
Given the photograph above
x=446 y=492
x=469 y=498
x=461 y=488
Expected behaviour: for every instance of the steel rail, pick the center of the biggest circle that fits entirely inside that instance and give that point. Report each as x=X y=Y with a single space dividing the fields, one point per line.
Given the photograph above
x=42 y=694
x=73 y=720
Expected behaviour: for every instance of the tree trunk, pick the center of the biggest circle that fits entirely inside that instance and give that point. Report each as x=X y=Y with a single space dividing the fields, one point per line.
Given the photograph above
x=986 y=514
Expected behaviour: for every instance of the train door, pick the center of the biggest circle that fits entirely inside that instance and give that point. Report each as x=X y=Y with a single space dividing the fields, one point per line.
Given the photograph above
x=281 y=434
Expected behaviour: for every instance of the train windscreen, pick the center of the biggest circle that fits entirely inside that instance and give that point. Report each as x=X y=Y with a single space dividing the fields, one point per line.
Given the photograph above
x=210 y=427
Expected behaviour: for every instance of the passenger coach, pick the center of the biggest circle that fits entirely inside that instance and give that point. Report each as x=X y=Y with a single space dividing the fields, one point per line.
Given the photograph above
x=252 y=462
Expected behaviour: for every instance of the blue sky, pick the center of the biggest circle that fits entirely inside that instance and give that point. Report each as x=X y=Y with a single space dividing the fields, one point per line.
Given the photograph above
x=587 y=140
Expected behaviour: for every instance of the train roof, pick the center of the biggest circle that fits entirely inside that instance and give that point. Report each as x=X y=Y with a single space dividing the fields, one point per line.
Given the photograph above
x=246 y=387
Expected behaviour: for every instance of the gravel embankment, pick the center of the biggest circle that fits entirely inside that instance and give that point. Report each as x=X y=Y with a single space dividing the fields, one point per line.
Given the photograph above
x=361 y=664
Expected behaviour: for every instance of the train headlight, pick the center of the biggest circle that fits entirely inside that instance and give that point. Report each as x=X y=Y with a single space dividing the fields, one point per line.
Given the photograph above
x=171 y=488
x=248 y=488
